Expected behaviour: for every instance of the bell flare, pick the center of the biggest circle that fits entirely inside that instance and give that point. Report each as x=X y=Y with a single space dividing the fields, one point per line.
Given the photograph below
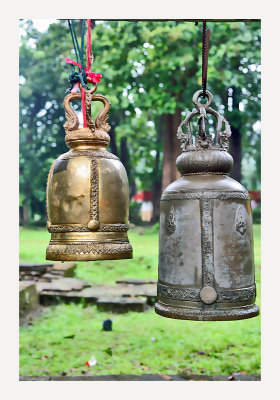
x=196 y=314
x=206 y=264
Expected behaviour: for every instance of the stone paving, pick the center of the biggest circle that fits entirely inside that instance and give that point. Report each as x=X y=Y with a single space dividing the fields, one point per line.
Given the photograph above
x=55 y=282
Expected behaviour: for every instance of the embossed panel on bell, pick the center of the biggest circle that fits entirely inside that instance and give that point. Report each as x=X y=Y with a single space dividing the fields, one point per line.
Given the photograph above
x=206 y=261
x=87 y=192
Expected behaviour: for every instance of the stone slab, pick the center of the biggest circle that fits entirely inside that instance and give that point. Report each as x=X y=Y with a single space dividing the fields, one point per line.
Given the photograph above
x=50 y=295
x=67 y=269
x=62 y=285
x=28 y=297
x=121 y=304
x=90 y=295
x=48 y=277
x=147 y=290
x=27 y=267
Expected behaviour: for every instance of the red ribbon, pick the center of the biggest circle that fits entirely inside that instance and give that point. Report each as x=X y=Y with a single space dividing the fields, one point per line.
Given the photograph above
x=92 y=77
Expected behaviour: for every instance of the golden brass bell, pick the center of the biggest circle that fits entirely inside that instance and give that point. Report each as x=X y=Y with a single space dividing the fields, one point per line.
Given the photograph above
x=87 y=191
x=206 y=262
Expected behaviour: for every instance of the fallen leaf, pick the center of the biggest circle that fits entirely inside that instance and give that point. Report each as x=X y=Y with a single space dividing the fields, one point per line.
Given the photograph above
x=144 y=367
x=231 y=378
x=44 y=357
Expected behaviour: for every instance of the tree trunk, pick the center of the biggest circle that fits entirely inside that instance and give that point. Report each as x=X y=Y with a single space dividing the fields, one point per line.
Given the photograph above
x=156 y=190
x=125 y=159
x=157 y=173
x=171 y=148
x=156 y=195
x=236 y=152
x=26 y=214
x=236 y=139
x=113 y=143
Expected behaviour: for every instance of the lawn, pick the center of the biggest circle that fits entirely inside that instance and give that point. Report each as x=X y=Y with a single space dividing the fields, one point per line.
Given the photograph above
x=63 y=338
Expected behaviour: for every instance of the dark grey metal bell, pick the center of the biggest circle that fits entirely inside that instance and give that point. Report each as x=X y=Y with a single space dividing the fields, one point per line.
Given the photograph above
x=206 y=261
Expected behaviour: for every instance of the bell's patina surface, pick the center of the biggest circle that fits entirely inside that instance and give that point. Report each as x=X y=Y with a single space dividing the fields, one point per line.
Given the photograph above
x=206 y=261
x=87 y=192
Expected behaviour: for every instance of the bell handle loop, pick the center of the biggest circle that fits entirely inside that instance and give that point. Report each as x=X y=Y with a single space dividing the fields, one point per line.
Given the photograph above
x=102 y=117
x=72 y=120
x=199 y=105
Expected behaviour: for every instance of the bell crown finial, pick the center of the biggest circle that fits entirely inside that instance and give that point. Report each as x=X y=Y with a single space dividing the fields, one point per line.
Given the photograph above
x=202 y=138
x=96 y=132
x=203 y=153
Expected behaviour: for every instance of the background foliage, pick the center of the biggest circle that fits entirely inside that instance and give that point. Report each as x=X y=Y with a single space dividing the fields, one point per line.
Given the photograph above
x=150 y=71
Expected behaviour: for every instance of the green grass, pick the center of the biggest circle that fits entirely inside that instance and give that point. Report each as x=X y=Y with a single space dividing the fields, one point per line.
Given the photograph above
x=140 y=342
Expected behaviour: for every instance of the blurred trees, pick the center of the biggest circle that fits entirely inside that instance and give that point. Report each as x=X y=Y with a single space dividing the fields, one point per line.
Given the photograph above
x=151 y=70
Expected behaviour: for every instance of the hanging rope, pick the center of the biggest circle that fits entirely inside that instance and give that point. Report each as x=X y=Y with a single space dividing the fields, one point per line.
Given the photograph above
x=205 y=51
x=84 y=75
x=88 y=40
x=79 y=52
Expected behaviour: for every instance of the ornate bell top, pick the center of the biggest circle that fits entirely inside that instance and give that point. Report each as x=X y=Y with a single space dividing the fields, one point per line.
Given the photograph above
x=95 y=134
x=204 y=154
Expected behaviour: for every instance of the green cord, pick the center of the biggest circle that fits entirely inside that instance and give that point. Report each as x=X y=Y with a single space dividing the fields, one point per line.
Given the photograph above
x=79 y=52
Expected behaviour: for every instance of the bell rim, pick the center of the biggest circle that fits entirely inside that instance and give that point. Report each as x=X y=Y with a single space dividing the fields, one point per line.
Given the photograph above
x=89 y=257
x=199 y=314
x=89 y=250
